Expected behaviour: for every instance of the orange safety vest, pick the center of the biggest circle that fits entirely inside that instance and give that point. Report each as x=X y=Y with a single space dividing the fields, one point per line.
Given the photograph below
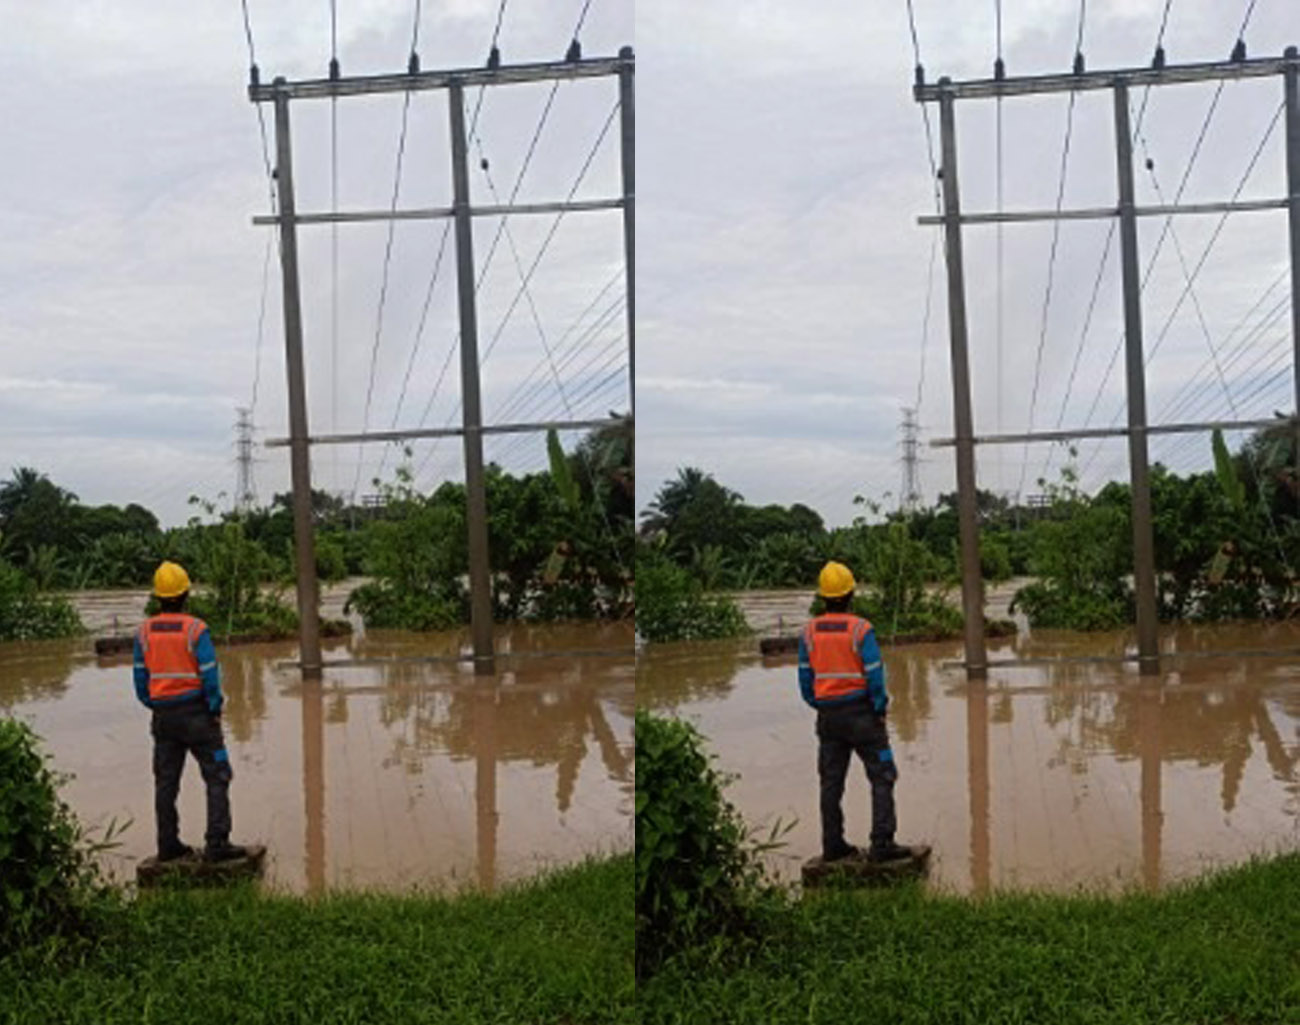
x=168 y=641
x=833 y=642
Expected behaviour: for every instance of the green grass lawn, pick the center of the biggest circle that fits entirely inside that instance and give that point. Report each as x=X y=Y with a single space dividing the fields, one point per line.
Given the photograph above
x=558 y=950
x=1222 y=950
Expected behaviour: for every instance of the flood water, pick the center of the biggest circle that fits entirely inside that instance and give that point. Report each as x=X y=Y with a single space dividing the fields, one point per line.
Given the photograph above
x=391 y=774
x=1048 y=776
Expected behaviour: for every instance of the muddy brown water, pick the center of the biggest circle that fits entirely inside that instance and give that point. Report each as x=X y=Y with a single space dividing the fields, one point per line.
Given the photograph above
x=390 y=775
x=1058 y=776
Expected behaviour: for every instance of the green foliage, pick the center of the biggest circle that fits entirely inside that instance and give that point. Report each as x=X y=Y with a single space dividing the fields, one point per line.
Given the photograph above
x=560 y=543
x=1217 y=950
x=27 y=615
x=671 y=605
x=1082 y=556
x=557 y=949
x=52 y=885
x=696 y=870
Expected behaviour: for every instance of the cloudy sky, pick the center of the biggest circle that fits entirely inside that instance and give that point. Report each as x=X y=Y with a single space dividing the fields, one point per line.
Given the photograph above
x=783 y=277
x=131 y=276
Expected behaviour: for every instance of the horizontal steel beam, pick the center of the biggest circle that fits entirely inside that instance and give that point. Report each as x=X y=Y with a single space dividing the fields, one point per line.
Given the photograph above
x=452 y=432
x=1120 y=432
x=1172 y=74
x=1098 y=213
x=318 y=88
x=444 y=212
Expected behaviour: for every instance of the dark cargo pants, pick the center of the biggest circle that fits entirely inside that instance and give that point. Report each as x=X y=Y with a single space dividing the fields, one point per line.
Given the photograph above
x=841 y=732
x=177 y=731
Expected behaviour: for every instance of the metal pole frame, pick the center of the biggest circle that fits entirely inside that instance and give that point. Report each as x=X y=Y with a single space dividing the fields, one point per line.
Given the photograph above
x=972 y=580
x=300 y=454
x=280 y=92
x=946 y=92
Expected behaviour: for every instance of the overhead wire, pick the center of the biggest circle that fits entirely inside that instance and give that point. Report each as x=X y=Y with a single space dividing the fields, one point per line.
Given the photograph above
x=1201 y=261
x=1105 y=256
x=493 y=52
x=532 y=269
x=1166 y=227
x=388 y=252
x=1056 y=237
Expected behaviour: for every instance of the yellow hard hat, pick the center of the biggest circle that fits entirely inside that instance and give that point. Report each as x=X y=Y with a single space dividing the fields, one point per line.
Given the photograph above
x=170 y=580
x=835 y=580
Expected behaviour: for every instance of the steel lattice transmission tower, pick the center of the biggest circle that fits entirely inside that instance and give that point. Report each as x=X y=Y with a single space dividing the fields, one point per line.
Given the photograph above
x=910 y=496
x=245 y=490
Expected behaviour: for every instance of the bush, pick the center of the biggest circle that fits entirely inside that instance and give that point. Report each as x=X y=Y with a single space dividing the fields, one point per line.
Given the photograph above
x=696 y=871
x=672 y=606
x=26 y=615
x=52 y=885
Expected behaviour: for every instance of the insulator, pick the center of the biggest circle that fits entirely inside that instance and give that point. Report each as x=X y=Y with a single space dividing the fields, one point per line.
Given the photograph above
x=334 y=69
x=999 y=69
x=413 y=65
x=254 y=76
x=919 y=75
x=1239 y=51
x=1078 y=63
x=1158 y=61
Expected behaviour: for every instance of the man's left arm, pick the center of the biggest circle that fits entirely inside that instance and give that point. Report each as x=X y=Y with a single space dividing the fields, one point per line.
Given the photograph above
x=873 y=667
x=209 y=672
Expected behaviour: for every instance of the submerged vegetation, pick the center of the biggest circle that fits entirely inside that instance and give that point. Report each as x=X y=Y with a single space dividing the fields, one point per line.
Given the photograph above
x=561 y=545
x=1227 y=545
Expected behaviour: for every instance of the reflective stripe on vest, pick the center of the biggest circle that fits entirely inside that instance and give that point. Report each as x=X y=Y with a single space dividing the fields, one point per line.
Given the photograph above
x=167 y=642
x=833 y=642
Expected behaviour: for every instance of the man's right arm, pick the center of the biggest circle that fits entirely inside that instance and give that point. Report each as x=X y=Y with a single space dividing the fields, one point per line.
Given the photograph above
x=805 y=673
x=140 y=673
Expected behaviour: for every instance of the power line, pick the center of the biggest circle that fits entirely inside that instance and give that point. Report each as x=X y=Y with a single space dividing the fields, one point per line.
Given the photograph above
x=1056 y=237
x=388 y=246
x=541 y=253
x=1205 y=254
x=1168 y=222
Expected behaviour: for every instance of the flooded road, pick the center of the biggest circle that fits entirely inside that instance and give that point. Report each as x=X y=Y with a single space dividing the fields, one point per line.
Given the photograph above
x=1047 y=776
x=389 y=775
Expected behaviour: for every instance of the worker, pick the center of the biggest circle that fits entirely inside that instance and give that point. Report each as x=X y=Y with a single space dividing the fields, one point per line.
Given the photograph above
x=842 y=677
x=177 y=677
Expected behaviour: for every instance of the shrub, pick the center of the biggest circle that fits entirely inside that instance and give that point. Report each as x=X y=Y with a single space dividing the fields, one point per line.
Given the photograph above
x=27 y=615
x=696 y=871
x=52 y=885
x=672 y=606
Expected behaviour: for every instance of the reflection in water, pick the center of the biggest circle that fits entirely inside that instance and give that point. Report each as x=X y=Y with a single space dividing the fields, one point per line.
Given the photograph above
x=1047 y=775
x=977 y=769
x=313 y=783
x=394 y=774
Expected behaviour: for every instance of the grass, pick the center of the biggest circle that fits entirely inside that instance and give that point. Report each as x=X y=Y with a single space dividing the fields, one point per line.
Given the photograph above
x=557 y=950
x=1225 y=949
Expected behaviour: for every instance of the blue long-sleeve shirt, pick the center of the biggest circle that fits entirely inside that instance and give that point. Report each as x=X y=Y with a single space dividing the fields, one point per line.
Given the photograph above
x=209 y=672
x=869 y=652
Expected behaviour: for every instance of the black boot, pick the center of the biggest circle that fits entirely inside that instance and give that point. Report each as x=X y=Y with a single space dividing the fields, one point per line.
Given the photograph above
x=888 y=851
x=847 y=851
x=224 y=851
x=175 y=852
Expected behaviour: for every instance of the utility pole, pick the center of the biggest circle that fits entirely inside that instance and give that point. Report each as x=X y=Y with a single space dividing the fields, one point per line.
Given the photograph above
x=910 y=496
x=972 y=581
x=1144 y=558
x=946 y=93
x=480 y=575
x=1291 y=90
x=245 y=492
x=627 y=124
x=299 y=454
x=462 y=211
